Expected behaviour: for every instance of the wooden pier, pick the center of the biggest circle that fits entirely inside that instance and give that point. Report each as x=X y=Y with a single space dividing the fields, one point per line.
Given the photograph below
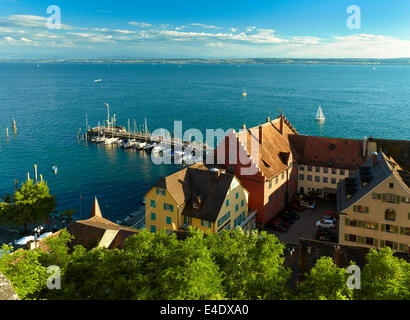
x=121 y=133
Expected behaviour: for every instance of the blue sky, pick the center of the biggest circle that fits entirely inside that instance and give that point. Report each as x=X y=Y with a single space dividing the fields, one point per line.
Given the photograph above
x=204 y=29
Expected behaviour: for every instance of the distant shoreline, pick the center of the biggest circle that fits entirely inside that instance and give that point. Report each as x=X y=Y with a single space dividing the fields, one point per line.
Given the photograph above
x=397 y=61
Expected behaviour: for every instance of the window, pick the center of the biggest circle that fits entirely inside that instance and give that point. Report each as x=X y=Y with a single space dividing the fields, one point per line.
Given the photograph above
x=237 y=195
x=391 y=185
x=153 y=229
x=376 y=196
x=276 y=180
x=270 y=184
x=161 y=191
x=317 y=178
x=325 y=170
x=302 y=168
x=309 y=168
x=270 y=199
x=227 y=202
x=353 y=223
x=325 y=180
x=152 y=203
x=317 y=169
x=363 y=209
x=205 y=224
x=276 y=195
x=283 y=175
x=390 y=228
x=334 y=171
x=407 y=231
x=169 y=220
x=237 y=206
x=242 y=203
x=369 y=241
x=153 y=216
x=333 y=180
x=301 y=177
x=342 y=172
x=370 y=225
x=390 y=214
x=282 y=189
x=352 y=238
x=168 y=207
x=309 y=177
x=390 y=198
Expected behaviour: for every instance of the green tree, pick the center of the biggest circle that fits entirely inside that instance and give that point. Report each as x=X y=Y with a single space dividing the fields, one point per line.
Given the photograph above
x=325 y=281
x=25 y=272
x=251 y=264
x=31 y=204
x=384 y=277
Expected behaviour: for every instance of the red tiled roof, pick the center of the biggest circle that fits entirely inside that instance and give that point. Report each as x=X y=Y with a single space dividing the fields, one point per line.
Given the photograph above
x=328 y=152
x=275 y=149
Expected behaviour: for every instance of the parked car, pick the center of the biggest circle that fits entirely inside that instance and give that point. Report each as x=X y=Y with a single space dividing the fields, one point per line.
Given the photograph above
x=331 y=214
x=308 y=204
x=326 y=224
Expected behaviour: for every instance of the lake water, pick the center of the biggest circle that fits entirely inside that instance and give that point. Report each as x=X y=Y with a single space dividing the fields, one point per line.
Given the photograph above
x=50 y=102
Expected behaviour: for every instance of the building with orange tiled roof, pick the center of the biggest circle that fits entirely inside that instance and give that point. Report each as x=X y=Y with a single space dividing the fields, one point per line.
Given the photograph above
x=265 y=163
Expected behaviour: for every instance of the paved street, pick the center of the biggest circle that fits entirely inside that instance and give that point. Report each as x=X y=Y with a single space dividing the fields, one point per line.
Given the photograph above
x=305 y=226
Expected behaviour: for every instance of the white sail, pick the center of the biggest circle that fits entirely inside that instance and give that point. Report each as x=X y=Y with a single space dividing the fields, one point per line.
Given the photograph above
x=320 y=115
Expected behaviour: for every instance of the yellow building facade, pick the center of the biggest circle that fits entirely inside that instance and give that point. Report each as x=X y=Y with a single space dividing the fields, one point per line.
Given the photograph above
x=381 y=216
x=324 y=180
x=170 y=205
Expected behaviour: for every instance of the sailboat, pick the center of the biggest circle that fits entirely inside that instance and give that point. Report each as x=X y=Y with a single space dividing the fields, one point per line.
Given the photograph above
x=244 y=93
x=320 y=116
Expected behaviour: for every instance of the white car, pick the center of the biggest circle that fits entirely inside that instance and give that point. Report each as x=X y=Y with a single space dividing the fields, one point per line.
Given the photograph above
x=308 y=204
x=326 y=224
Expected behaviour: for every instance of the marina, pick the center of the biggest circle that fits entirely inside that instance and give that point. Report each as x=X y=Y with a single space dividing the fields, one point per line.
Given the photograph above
x=180 y=151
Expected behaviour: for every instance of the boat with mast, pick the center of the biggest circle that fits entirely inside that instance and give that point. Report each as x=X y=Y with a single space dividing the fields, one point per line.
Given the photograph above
x=244 y=93
x=320 y=116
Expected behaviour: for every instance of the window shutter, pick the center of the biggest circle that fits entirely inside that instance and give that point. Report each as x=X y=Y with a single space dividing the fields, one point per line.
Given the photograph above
x=398 y=199
x=383 y=197
x=379 y=196
x=346 y=237
x=396 y=229
x=347 y=221
x=367 y=209
x=376 y=226
x=355 y=208
x=381 y=243
x=394 y=245
x=401 y=230
x=375 y=242
x=403 y=199
x=383 y=227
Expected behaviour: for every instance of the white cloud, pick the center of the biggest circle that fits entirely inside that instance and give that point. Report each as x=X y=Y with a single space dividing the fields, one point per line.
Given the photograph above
x=139 y=24
x=204 y=26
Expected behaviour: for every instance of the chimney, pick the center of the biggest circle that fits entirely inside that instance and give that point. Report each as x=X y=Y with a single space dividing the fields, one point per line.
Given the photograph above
x=281 y=125
x=374 y=159
x=268 y=119
x=364 y=147
x=260 y=134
